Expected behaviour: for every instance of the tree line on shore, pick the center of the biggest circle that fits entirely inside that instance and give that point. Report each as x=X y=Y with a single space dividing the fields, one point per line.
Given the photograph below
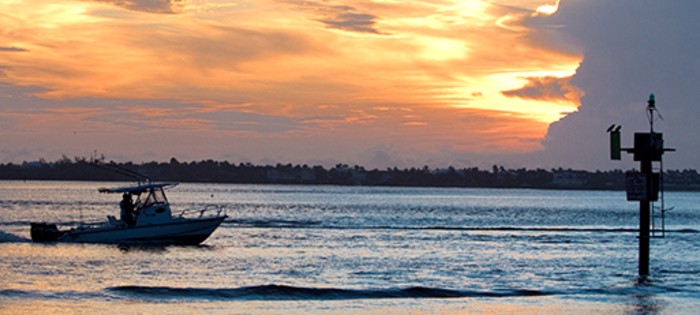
x=92 y=169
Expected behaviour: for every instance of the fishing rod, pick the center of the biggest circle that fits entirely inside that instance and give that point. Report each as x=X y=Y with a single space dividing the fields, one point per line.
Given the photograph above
x=140 y=178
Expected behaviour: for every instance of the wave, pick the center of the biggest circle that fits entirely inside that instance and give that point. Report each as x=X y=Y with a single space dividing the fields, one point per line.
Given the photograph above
x=18 y=294
x=294 y=224
x=282 y=292
x=291 y=293
x=13 y=293
x=274 y=223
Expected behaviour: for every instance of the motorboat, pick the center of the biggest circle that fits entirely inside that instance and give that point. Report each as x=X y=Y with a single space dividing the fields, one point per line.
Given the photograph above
x=147 y=220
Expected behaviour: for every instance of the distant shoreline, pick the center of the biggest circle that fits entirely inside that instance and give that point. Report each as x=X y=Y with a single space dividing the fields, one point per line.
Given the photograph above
x=674 y=189
x=210 y=171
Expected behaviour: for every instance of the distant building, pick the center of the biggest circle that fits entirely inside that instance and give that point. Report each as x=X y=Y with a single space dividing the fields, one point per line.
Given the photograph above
x=307 y=175
x=569 y=178
x=289 y=175
x=356 y=175
x=276 y=175
x=34 y=164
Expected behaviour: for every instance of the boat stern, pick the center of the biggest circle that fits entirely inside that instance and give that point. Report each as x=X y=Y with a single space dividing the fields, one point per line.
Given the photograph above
x=45 y=232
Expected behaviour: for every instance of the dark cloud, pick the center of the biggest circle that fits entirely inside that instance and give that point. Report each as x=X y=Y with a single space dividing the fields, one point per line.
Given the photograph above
x=150 y=6
x=12 y=49
x=547 y=89
x=344 y=18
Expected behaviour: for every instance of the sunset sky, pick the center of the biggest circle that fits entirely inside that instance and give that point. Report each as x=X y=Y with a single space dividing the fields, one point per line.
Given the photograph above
x=373 y=83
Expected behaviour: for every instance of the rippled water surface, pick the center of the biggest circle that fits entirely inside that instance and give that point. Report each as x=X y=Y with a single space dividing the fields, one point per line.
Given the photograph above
x=356 y=250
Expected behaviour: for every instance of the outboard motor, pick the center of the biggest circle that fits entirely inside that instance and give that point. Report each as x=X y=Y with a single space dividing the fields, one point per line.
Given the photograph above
x=44 y=232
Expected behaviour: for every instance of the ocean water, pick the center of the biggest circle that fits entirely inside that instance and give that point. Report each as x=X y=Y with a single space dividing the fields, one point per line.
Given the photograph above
x=356 y=250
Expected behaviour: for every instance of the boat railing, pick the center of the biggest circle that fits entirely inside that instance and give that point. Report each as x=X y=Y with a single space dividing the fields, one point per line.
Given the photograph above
x=208 y=209
x=94 y=224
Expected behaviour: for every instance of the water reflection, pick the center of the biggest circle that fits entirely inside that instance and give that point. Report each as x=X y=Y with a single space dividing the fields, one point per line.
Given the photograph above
x=645 y=304
x=161 y=249
x=643 y=298
x=142 y=248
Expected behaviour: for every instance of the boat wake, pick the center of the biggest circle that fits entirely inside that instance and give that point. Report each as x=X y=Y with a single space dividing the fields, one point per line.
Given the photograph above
x=11 y=238
x=309 y=224
x=282 y=292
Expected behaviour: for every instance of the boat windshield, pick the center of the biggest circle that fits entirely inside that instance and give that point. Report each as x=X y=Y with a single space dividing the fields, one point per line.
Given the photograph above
x=155 y=195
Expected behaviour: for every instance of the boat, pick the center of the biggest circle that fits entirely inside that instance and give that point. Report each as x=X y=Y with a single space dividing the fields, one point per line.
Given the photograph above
x=147 y=221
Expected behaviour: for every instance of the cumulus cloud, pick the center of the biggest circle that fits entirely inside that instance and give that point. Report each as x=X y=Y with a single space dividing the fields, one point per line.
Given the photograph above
x=631 y=49
x=547 y=89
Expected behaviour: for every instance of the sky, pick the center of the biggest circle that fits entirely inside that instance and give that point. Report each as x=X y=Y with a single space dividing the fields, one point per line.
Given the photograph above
x=529 y=83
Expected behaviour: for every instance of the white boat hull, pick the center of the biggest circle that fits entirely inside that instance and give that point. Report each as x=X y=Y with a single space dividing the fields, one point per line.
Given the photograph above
x=148 y=220
x=179 y=232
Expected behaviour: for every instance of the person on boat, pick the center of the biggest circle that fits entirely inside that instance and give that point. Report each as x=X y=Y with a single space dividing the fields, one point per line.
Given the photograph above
x=127 y=207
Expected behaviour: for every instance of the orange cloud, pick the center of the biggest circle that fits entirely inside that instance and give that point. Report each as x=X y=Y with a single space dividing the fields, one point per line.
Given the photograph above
x=302 y=67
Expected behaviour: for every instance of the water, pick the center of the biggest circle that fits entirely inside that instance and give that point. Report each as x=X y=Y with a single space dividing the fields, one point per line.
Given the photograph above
x=356 y=250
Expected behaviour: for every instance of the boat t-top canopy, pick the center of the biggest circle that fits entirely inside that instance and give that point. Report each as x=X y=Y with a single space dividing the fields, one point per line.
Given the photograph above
x=136 y=189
